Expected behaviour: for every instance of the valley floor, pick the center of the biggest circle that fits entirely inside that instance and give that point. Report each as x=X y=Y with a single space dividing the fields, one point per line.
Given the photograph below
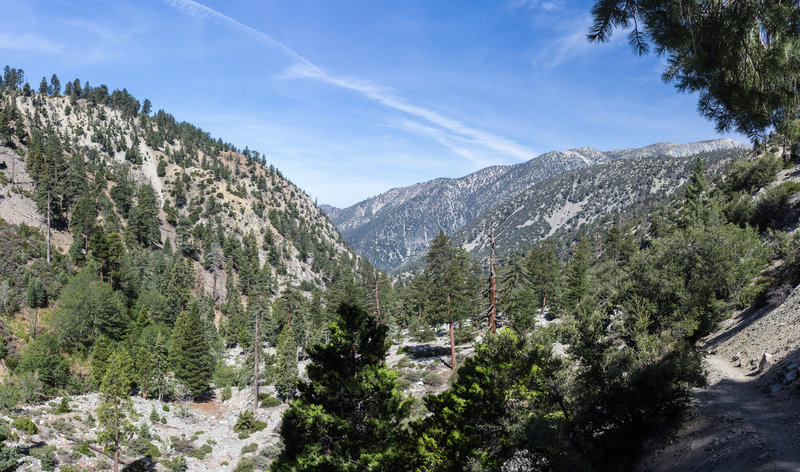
x=747 y=418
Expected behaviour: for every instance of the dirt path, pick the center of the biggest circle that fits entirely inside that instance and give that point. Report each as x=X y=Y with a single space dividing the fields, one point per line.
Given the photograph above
x=737 y=423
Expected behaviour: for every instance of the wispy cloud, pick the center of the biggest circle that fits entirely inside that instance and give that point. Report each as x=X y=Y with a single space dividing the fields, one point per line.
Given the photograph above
x=29 y=42
x=561 y=50
x=546 y=5
x=451 y=131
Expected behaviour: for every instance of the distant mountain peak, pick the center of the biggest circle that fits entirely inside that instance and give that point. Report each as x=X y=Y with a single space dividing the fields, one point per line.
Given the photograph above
x=390 y=228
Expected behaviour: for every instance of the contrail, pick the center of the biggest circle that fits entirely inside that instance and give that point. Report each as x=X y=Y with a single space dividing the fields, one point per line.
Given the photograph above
x=303 y=68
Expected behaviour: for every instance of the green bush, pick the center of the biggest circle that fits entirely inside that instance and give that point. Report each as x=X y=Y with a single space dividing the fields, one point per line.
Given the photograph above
x=247 y=423
x=245 y=464
x=24 y=424
x=45 y=454
x=464 y=335
x=84 y=449
x=268 y=401
x=749 y=176
x=177 y=464
x=755 y=294
x=200 y=452
x=63 y=406
x=252 y=447
x=226 y=394
x=431 y=379
x=740 y=209
x=773 y=205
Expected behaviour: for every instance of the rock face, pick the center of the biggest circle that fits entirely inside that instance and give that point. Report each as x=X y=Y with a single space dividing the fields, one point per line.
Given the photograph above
x=392 y=227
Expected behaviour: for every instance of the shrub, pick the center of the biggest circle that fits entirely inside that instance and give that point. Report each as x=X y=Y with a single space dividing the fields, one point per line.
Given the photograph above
x=252 y=447
x=270 y=402
x=84 y=449
x=63 y=406
x=200 y=452
x=431 y=379
x=773 y=205
x=749 y=176
x=754 y=295
x=247 y=423
x=226 y=394
x=245 y=464
x=177 y=464
x=740 y=209
x=45 y=454
x=25 y=425
x=182 y=445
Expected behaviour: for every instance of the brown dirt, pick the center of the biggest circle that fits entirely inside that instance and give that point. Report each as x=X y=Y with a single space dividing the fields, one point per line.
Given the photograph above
x=736 y=423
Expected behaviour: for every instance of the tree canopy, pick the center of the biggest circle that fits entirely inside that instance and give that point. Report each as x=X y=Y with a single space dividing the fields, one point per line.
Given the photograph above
x=742 y=58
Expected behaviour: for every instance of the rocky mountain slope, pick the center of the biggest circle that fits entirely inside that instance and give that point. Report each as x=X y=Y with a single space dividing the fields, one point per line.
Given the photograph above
x=390 y=228
x=566 y=202
x=207 y=190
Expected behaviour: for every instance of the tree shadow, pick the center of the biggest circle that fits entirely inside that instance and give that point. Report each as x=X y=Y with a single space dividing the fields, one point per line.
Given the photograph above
x=426 y=351
x=144 y=464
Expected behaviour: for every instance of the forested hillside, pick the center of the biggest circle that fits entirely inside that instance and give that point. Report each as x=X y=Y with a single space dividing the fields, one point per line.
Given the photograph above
x=127 y=233
x=170 y=302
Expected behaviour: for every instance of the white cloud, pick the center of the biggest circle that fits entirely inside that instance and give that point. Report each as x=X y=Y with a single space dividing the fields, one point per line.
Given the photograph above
x=562 y=49
x=304 y=69
x=546 y=5
x=29 y=42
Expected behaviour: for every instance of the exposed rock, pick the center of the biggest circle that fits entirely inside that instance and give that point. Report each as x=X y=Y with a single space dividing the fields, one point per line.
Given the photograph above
x=766 y=362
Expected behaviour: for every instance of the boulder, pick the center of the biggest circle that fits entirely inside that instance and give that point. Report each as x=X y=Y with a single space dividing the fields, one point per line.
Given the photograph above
x=791 y=376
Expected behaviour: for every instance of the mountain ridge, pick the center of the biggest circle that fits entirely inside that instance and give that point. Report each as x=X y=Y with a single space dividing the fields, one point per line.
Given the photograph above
x=391 y=227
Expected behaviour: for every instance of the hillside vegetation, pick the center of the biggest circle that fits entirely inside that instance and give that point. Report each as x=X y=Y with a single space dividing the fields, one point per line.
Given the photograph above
x=171 y=303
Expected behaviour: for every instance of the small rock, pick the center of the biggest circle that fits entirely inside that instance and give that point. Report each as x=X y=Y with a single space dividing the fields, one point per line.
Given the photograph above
x=766 y=362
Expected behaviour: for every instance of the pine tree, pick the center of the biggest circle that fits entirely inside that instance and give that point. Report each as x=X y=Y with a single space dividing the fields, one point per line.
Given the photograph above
x=190 y=355
x=55 y=85
x=286 y=370
x=516 y=297
x=160 y=366
x=116 y=406
x=100 y=357
x=577 y=287
x=449 y=286
x=739 y=57
x=144 y=371
x=36 y=298
x=480 y=422
x=349 y=416
x=143 y=223
x=696 y=199
x=544 y=270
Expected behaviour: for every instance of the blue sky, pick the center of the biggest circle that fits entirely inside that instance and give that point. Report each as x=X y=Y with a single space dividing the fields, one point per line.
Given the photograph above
x=352 y=98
